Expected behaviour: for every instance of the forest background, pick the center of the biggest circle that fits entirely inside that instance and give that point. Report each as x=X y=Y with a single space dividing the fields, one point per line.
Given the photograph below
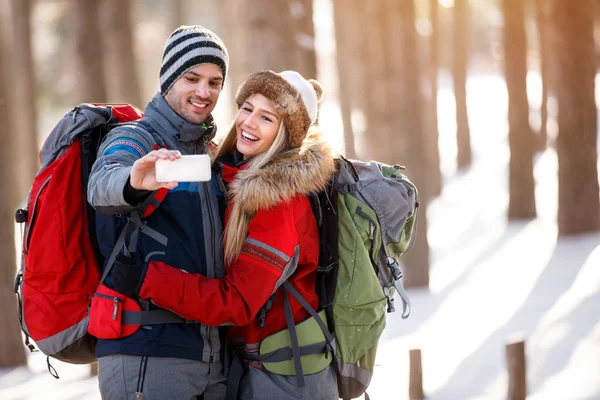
x=490 y=104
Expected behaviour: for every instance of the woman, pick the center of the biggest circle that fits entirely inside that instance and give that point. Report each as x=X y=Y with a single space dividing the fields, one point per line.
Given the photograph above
x=270 y=161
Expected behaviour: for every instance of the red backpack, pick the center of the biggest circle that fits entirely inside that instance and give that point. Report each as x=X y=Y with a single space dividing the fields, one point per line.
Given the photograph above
x=60 y=271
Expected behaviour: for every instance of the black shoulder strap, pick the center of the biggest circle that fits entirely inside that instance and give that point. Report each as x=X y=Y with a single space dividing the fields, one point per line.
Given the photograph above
x=326 y=211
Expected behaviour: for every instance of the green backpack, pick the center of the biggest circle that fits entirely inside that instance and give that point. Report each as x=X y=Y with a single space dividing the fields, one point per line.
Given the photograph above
x=367 y=220
x=376 y=212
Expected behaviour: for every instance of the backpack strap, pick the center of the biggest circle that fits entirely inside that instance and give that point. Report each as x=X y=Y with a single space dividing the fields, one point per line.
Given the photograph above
x=288 y=287
x=131 y=230
x=297 y=351
x=153 y=202
x=294 y=339
x=152 y=317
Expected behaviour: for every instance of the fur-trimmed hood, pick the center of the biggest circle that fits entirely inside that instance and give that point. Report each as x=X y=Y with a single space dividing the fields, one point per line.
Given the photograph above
x=303 y=170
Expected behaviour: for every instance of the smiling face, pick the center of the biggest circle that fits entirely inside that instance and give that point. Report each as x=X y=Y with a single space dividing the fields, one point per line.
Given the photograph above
x=194 y=95
x=257 y=124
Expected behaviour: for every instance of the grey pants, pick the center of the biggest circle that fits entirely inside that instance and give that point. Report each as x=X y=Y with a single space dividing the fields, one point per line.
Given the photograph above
x=124 y=377
x=263 y=385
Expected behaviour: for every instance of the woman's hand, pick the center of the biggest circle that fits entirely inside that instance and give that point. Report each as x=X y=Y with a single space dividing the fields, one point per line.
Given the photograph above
x=143 y=173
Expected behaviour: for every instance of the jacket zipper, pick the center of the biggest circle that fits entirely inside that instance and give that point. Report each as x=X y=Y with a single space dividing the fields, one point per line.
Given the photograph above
x=222 y=186
x=33 y=214
x=212 y=240
x=115 y=300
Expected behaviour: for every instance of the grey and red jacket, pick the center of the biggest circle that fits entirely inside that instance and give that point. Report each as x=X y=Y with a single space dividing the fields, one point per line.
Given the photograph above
x=188 y=217
x=282 y=244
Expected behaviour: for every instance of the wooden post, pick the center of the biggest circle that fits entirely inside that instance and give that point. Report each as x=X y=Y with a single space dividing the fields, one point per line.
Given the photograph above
x=517 y=377
x=415 y=382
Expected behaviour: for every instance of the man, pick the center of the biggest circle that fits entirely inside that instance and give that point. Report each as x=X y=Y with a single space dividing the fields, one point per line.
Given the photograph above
x=173 y=360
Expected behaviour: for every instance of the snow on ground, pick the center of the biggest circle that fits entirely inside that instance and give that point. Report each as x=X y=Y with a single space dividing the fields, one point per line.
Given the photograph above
x=491 y=281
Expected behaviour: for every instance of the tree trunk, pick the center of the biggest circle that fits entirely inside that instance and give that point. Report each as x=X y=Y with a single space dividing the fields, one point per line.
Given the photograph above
x=343 y=13
x=12 y=353
x=542 y=28
x=460 y=64
x=434 y=178
x=393 y=106
x=24 y=106
x=376 y=85
x=230 y=14
x=122 y=79
x=521 y=203
x=301 y=14
x=407 y=136
x=263 y=34
x=177 y=14
x=90 y=85
x=269 y=35
x=574 y=71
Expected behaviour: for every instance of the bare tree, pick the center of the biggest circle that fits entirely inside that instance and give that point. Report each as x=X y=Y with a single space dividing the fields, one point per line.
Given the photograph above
x=24 y=106
x=521 y=203
x=90 y=85
x=459 y=69
x=12 y=353
x=393 y=107
x=348 y=66
x=230 y=17
x=123 y=85
x=542 y=28
x=376 y=85
x=177 y=14
x=269 y=35
x=434 y=178
x=405 y=105
x=574 y=69
x=263 y=34
x=301 y=14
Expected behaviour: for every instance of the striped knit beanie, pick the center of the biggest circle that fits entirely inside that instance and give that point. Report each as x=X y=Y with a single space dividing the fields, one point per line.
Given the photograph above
x=187 y=47
x=293 y=96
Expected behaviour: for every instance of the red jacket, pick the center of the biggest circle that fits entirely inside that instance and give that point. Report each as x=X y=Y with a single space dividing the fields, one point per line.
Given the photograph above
x=282 y=239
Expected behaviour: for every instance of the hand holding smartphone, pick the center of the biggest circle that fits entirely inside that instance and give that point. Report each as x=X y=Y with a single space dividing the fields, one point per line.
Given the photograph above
x=191 y=168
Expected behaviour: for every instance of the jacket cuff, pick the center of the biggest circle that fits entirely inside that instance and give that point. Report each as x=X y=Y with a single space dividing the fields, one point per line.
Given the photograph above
x=163 y=285
x=134 y=196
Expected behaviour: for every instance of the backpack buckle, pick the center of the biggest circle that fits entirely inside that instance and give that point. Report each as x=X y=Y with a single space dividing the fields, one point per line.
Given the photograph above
x=263 y=312
x=389 y=295
x=21 y=216
x=394 y=267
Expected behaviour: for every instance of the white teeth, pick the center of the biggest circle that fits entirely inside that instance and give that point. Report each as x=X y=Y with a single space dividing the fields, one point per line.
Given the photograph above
x=248 y=136
x=201 y=105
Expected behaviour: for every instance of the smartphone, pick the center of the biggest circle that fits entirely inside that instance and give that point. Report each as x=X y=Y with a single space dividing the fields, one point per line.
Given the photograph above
x=193 y=168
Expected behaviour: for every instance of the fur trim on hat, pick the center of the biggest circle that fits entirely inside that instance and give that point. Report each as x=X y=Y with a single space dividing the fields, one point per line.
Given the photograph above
x=287 y=101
